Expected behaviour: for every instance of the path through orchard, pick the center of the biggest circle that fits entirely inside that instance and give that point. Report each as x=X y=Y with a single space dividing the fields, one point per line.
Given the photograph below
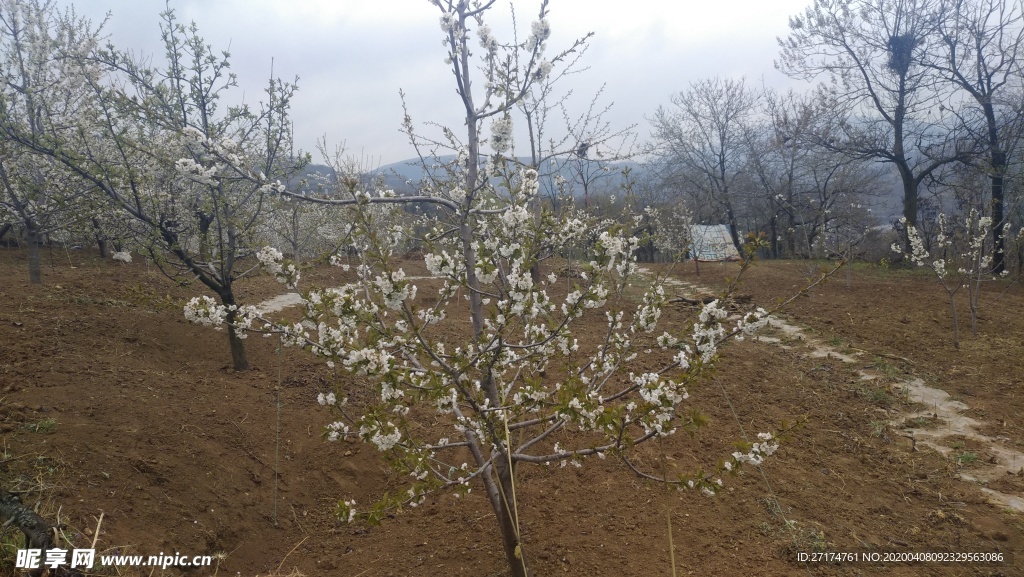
x=939 y=419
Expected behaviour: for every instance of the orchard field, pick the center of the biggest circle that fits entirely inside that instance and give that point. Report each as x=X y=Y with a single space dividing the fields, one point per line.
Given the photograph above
x=112 y=403
x=479 y=374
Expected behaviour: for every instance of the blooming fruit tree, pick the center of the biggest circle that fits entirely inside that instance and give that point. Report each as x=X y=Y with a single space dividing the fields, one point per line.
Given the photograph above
x=528 y=386
x=190 y=176
x=958 y=259
x=39 y=48
x=481 y=367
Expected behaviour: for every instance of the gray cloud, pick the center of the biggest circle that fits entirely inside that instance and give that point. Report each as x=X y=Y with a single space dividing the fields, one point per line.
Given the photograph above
x=352 y=56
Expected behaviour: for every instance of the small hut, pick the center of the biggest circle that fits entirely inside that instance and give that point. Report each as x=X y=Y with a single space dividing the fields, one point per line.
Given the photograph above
x=712 y=243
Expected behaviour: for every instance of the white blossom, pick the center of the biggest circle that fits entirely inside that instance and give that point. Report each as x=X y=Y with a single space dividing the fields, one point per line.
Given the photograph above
x=501 y=134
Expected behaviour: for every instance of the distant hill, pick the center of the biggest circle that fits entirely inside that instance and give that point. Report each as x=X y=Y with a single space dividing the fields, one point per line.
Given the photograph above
x=403 y=175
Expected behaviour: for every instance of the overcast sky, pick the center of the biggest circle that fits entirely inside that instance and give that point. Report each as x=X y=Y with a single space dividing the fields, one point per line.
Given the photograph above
x=353 y=56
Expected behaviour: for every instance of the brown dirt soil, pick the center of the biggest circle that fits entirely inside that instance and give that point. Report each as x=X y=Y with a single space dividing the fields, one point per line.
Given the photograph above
x=112 y=403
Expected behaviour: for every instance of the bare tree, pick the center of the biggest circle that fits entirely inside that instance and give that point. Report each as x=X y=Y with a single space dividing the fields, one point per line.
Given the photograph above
x=700 y=141
x=780 y=154
x=886 y=103
x=980 y=50
x=814 y=191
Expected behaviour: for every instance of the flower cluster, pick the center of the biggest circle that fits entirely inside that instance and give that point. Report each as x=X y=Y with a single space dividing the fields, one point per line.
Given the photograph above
x=449 y=21
x=708 y=330
x=501 y=134
x=336 y=430
x=442 y=264
x=487 y=40
x=751 y=322
x=540 y=31
x=617 y=253
x=543 y=70
x=197 y=172
x=272 y=261
x=205 y=311
x=385 y=436
x=765 y=446
x=347 y=510
x=663 y=396
x=395 y=289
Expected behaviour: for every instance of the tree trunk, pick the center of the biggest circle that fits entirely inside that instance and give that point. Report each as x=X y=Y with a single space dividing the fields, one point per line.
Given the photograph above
x=773 y=230
x=791 y=228
x=910 y=200
x=998 y=214
x=849 y=261
x=503 y=502
x=238 y=360
x=476 y=313
x=535 y=206
x=956 y=324
x=734 y=227
x=205 y=221
x=101 y=239
x=35 y=275
x=973 y=292
x=910 y=188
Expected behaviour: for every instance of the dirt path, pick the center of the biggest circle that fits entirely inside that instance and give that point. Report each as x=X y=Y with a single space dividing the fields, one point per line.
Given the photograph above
x=940 y=407
x=294 y=299
x=280 y=302
x=943 y=418
x=944 y=414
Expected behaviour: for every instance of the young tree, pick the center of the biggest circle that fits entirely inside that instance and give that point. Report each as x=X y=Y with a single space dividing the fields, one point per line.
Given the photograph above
x=959 y=259
x=527 y=382
x=519 y=379
x=160 y=144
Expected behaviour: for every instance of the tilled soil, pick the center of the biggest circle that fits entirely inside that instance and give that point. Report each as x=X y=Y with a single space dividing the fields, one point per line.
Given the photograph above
x=112 y=403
